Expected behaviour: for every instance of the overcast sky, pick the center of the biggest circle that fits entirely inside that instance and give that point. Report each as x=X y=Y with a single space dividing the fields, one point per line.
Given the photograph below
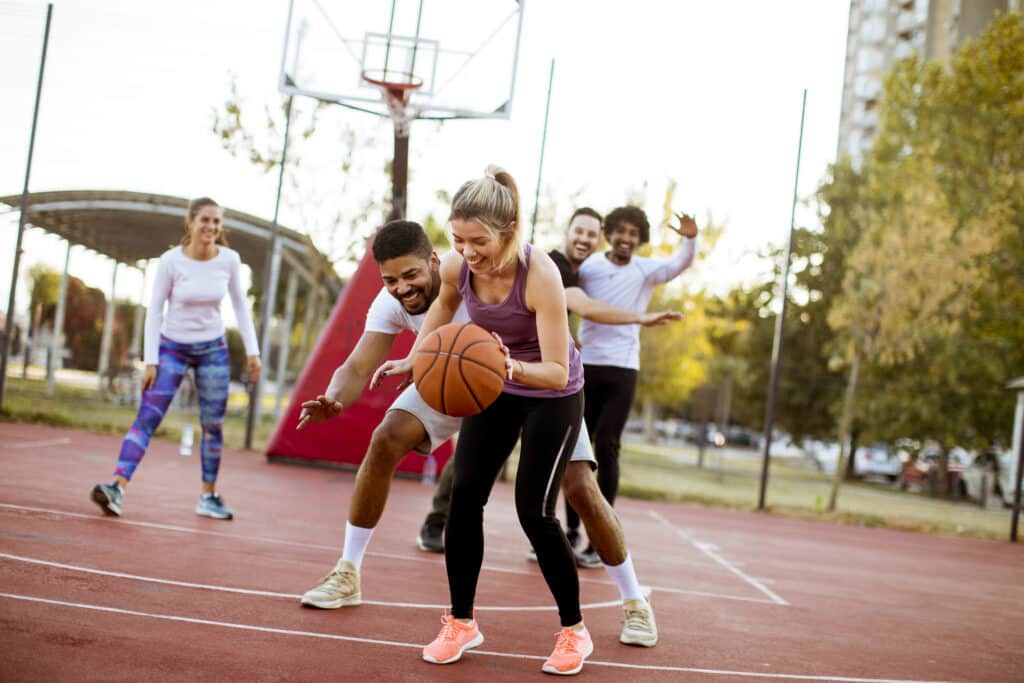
x=705 y=93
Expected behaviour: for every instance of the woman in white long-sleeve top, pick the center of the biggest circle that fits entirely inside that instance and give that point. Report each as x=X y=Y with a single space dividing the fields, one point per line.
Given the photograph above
x=191 y=281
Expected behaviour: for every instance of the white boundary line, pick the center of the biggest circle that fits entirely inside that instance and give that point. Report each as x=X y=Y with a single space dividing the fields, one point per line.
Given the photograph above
x=393 y=556
x=712 y=552
x=289 y=596
x=474 y=653
x=38 y=444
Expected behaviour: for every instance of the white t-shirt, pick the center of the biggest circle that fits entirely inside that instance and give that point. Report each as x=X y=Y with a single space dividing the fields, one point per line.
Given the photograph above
x=387 y=315
x=631 y=287
x=192 y=291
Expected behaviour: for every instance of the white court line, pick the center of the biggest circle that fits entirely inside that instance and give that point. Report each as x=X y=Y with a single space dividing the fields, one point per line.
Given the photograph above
x=404 y=558
x=473 y=653
x=712 y=552
x=289 y=596
x=38 y=444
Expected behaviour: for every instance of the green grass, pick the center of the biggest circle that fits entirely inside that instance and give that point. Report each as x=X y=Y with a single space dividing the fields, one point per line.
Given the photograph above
x=25 y=400
x=648 y=472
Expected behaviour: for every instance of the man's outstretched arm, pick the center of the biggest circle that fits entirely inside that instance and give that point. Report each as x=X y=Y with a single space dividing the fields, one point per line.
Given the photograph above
x=349 y=379
x=670 y=268
x=597 y=311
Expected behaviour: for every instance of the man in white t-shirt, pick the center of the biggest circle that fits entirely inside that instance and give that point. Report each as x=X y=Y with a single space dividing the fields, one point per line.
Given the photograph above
x=410 y=270
x=611 y=353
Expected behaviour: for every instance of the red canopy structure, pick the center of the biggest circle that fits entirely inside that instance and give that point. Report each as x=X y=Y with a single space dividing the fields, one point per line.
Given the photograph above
x=344 y=439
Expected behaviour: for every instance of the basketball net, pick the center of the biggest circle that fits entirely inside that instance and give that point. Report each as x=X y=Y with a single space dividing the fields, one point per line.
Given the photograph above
x=401 y=113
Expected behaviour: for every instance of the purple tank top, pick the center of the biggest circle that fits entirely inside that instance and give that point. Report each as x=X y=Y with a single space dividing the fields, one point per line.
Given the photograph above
x=517 y=326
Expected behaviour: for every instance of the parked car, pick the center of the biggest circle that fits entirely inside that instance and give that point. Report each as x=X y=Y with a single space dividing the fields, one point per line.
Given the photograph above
x=991 y=473
x=738 y=436
x=712 y=435
x=877 y=461
x=823 y=454
x=918 y=472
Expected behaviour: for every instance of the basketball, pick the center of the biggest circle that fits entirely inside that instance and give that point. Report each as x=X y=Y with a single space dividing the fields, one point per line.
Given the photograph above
x=459 y=369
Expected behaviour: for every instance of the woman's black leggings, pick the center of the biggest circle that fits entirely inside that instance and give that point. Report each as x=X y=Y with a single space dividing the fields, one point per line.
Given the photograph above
x=549 y=427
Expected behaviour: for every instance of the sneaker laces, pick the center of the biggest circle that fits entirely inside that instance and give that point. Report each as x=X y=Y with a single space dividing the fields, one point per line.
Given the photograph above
x=567 y=641
x=340 y=577
x=638 y=619
x=449 y=631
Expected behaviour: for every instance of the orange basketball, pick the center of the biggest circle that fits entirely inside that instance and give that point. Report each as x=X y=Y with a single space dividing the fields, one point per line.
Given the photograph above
x=459 y=369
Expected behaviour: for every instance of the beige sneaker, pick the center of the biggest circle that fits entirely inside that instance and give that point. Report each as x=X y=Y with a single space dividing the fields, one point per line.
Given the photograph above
x=340 y=588
x=639 y=627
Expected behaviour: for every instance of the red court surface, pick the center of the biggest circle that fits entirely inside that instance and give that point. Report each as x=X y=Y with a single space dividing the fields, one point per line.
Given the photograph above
x=163 y=595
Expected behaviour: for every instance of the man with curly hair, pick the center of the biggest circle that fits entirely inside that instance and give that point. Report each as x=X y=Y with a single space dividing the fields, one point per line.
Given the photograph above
x=611 y=353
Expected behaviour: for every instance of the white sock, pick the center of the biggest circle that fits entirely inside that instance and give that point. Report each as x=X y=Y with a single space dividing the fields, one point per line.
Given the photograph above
x=357 y=538
x=625 y=579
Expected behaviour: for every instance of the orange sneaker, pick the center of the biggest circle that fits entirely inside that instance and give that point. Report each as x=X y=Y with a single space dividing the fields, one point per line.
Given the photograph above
x=454 y=639
x=571 y=648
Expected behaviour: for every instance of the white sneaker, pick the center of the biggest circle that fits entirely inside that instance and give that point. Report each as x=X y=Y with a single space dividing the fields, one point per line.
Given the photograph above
x=639 y=627
x=340 y=588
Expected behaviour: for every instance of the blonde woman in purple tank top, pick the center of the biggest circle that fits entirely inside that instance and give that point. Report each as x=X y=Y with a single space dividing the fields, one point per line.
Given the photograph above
x=516 y=293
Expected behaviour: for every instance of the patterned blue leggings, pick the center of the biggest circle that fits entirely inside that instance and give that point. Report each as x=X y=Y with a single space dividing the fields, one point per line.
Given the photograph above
x=212 y=373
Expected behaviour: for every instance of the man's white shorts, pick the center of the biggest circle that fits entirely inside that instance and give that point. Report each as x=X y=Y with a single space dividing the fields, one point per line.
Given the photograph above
x=439 y=427
x=583 y=452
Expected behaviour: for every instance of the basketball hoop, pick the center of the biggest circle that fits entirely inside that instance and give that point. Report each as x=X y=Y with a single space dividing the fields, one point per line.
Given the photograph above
x=395 y=87
x=398 y=83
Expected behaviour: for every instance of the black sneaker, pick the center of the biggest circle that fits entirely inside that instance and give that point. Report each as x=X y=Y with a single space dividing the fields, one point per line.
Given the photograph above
x=431 y=538
x=574 y=538
x=588 y=558
x=108 y=497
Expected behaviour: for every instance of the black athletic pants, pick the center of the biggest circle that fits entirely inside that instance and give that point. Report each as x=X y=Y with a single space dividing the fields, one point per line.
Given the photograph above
x=549 y=428
x=609 y=392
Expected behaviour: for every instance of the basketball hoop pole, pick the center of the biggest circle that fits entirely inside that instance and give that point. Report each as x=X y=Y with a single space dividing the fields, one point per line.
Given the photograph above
x=399 y=173
x=396 y=96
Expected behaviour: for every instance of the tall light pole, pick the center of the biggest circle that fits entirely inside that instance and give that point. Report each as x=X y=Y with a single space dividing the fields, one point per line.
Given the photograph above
x=773 y=384
x=9 y=322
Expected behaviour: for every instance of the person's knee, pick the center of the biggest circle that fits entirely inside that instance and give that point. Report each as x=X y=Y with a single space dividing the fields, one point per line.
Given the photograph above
x=579 y=484
x=387 y=447
x=584 y=495
x=533 y=522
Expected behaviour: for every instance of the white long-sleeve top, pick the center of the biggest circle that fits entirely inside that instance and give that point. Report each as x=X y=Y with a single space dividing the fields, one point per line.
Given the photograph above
x=192 y=291
x=631 y=287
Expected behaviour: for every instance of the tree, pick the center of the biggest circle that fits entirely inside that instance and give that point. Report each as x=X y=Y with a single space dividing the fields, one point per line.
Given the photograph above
x=933 y=297
x=44 y=286
x=674 y=358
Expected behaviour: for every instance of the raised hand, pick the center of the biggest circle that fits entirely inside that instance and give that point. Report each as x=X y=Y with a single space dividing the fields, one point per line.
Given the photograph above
x=687 y=225
x=323 y=408
x=656 y=318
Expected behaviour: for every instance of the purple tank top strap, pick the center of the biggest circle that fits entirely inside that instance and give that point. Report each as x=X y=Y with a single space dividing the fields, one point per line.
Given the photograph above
x=517 y=295
x=517 y=326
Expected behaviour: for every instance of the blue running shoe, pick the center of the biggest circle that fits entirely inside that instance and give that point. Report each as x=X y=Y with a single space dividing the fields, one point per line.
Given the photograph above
x=108 y=497
x=212 y=505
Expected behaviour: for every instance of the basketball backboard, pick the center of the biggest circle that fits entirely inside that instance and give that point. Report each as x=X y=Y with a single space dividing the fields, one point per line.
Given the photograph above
x=452 y=58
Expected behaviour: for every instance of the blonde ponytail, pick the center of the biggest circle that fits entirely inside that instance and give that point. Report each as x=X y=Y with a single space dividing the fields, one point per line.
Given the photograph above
x=493 y=202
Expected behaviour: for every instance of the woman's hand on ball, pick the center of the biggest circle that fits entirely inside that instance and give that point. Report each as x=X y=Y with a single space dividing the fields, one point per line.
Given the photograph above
x=508 y=355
